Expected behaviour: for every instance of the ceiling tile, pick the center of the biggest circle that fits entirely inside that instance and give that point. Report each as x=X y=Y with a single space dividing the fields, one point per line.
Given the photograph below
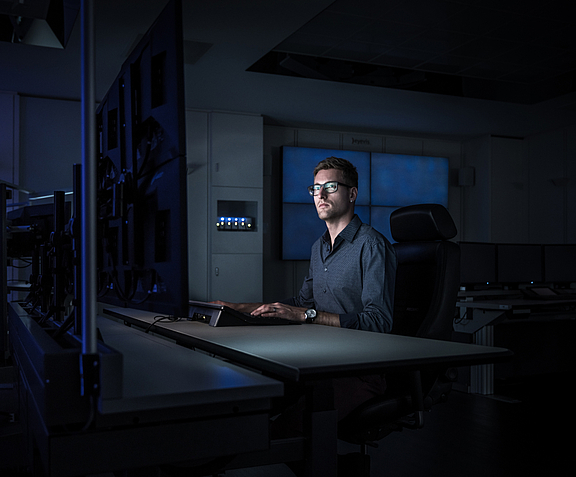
x=561 y=10
x=336 y=25
x=475 y=20
x=307 y=44
x=403 y=57
x=490 y=70
x=530 y=54
x=529 y=75
x=423 y=13
x=387 y=33
x=484 y=48
x=366 y=8
x=448 y=64
x=437 y=41
x=522 y=29
x=357 y=51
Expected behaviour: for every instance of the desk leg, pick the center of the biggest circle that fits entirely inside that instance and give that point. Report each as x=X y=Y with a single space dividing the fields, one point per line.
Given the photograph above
x=322 y=430
x=482 y=376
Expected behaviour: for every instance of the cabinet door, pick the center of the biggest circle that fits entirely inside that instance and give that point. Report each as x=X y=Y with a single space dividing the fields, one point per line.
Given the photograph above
x=236 y=150
x=237 y=277
x=547 y=204
x=570 y=188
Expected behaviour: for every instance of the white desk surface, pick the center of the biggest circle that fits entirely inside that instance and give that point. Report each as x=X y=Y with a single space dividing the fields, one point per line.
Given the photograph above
x=176 y=405
x=158 y=374
x=303 y=352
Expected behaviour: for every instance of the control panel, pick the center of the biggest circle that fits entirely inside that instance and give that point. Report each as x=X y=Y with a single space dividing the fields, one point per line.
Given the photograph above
x=233 y=223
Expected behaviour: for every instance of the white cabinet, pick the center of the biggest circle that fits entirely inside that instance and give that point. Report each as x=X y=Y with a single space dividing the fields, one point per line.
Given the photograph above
x=225 y=177
x=496 y=205
x=552 y=161
x=236 y=155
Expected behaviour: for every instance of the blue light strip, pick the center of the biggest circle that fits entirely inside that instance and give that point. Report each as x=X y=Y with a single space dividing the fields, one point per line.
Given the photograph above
x=235 y=223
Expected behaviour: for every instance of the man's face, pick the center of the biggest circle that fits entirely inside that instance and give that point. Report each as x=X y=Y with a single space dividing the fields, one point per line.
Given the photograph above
x=337 y=204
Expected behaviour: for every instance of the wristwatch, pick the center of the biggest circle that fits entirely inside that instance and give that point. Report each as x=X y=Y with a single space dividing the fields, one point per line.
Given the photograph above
x=310 y=315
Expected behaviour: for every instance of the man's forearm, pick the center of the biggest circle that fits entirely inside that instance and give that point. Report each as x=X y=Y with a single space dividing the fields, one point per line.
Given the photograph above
x=328 y=319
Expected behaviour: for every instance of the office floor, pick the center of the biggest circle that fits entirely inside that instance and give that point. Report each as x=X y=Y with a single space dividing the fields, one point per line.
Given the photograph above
x=474 y=435
x=529 y=432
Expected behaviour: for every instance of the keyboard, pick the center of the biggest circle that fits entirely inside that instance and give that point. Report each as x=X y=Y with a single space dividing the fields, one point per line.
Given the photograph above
x=220 y=315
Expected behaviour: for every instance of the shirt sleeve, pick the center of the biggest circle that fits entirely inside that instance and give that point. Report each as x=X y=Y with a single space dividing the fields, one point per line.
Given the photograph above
x=305 y=298
x=378 y=276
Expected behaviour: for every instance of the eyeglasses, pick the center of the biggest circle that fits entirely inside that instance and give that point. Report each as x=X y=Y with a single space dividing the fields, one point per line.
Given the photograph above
x=329 y=187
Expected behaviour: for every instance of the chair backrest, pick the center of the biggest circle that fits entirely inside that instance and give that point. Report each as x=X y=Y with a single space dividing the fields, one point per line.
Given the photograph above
x=428 y=273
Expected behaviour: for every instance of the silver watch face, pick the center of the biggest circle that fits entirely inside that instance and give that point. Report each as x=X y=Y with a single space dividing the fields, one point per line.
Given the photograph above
x=311 y=313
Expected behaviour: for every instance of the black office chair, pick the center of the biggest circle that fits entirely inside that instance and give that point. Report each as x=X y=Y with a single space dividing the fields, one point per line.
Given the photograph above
x=426 y=289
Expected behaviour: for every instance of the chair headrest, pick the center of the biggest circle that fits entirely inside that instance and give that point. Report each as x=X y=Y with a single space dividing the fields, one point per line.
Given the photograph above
x=422 y=223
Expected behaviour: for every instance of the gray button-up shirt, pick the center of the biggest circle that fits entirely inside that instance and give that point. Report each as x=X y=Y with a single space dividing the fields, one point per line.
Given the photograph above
x=355 y=279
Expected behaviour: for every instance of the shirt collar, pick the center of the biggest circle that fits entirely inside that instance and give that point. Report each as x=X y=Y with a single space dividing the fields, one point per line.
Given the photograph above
x=349 y=231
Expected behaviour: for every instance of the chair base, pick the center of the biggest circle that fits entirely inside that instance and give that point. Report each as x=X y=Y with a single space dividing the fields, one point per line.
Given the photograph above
x=355 y=464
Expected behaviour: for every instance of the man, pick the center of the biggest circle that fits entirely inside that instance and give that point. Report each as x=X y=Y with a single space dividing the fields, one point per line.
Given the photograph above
x=350 y=282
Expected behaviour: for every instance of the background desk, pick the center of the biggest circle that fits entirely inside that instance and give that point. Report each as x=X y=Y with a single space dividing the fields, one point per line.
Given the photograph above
x=481 y=311
x=312 y=355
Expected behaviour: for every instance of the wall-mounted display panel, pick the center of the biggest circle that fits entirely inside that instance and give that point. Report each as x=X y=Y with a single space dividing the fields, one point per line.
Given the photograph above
x=385 y=182
x=398 y=180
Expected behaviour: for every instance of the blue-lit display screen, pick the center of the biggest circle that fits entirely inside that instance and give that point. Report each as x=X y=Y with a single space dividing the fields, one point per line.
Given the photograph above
x=385 y=182
x=298 y=165
x=380 y=220
x=301 y=227
x=400 y=180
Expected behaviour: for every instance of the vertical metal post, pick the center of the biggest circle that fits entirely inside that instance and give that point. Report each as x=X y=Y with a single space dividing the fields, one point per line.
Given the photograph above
x=58 y=272
x=3 y=277
x=77 y=247
x=88 y=227
x=482 y=375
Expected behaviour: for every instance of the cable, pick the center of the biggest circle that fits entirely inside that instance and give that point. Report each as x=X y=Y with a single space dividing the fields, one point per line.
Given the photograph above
x=66 y=325
x=157 y=319
x=462 y=318
x=91 y=416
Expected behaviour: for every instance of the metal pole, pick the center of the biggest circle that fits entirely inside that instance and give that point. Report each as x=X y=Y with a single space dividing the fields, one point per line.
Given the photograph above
x=88 y=235
x=3 y=277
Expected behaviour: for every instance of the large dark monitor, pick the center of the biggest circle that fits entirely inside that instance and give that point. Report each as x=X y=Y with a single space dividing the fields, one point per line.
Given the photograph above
x=519 y=264
x=560 y=263
x=142 y=226
x=477 y=264
x=39 y=220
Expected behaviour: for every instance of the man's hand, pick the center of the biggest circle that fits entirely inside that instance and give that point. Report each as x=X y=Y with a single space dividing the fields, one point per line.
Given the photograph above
x=242 y=307
x=295 y=313
x=280 y=310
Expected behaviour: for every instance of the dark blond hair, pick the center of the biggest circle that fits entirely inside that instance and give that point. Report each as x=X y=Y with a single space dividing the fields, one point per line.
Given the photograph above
x=349 y=172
